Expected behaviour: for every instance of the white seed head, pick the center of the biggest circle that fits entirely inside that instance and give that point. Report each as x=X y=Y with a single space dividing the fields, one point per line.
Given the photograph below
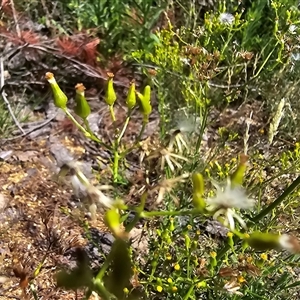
x=226 y=18
x=293 y=29
x=78 y=187
x=227 y=199
x=98 y=197
x=232 y=287
x=295 y=56
x=289 y=243
x=230 y=197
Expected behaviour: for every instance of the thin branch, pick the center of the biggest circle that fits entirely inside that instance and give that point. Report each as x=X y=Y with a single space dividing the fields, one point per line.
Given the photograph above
x=5 y=98
x=15 y=18
x=41 y=125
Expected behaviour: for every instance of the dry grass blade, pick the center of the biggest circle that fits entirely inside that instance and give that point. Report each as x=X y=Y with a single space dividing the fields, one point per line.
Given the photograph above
x=5 y=98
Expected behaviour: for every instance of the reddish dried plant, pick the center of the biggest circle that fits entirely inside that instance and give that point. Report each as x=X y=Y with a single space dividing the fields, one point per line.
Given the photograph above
x=68 y=46
x=81 y=47
x=6 y=8
x=90 y=51
x=26 y=37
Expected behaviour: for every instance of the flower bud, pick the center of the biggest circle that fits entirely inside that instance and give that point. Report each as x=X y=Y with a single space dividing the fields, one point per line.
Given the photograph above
x=60 y=98
x=145 y=103
x=238 y=176
x=230 y=240
x=199 y=202
x=131 y=96
x=172 y=227
x=213 y=259
x=112 y=220
x=263 y=241
x=159 y=288
x=201 y=284
x=110 y=95
x=198 y=190
x=82 y=108
x=198 y=183
x=187 y=242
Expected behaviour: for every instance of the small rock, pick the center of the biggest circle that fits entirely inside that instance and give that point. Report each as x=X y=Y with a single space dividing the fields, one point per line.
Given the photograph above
x=5 y=155
x=3 y=202
x=216 y=228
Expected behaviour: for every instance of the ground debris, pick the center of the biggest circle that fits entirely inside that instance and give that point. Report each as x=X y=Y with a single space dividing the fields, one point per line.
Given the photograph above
x=37 y=223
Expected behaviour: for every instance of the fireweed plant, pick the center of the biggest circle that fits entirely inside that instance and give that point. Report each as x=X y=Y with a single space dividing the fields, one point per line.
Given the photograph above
x=178 y=263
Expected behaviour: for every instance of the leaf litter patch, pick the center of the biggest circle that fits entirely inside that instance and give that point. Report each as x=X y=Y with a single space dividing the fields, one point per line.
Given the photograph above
x=37 y=224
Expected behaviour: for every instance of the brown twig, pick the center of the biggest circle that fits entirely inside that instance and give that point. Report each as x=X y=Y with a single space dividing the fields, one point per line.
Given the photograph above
x=12 y=4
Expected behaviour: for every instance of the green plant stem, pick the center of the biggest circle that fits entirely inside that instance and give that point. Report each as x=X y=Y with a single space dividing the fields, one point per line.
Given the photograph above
x=117 y=143
x=89 y=135
x=202 y=128
x=33 y=291
x=124 y=127
x=139 y=211
x=188 y=294
x=149 y=214
x=112 y=113
x=224 y=250
x=98 y=281
x=102 y=291
x=39 y=267
x=69 y=115
x=88 y=129
x=188 y=265
x=263 y=213
x=102 y=271
x=116 y=164
x=132 y=224
x=138 y=139
x=264 y=63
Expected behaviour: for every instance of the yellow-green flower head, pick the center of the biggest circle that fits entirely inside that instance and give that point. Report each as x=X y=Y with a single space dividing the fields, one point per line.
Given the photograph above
x=82 y=108
x=60 y=98
x=110 y=96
